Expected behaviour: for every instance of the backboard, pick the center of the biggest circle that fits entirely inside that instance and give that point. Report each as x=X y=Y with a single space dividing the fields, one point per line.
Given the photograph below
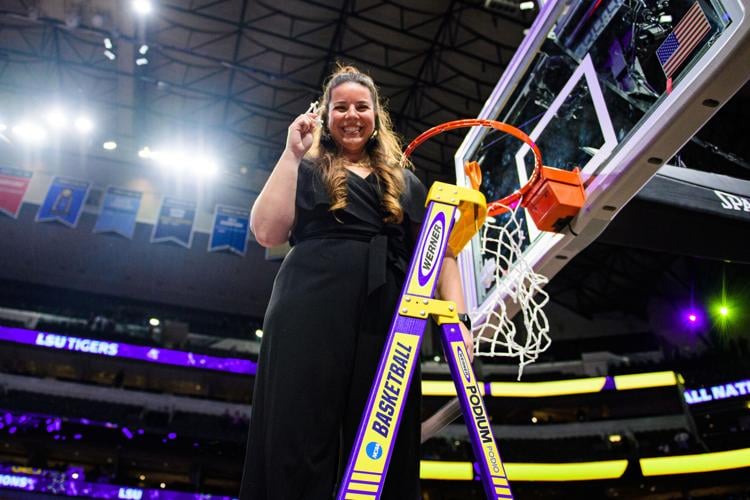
x=589 y=88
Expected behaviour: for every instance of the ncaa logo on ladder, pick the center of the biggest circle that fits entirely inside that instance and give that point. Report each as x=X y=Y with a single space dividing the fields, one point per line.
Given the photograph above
x=374 y=450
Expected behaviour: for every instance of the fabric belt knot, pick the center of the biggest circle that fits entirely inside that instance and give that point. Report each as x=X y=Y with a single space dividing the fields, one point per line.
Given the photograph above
x=380 y=255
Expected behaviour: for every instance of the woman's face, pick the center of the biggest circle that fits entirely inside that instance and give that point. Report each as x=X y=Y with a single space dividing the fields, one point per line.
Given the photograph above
x=351 y=118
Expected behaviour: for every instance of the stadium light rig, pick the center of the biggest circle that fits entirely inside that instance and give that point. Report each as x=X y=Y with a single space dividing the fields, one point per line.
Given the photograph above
x=692 y=317
x=30 y=133
x=142 y=7
x=83 y=124
x=722 y=311
x=195 y=163
x=56 y=118
x=109 y=49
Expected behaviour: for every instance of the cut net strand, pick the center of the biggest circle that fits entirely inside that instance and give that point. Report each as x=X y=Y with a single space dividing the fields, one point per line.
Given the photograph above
x=516 y=281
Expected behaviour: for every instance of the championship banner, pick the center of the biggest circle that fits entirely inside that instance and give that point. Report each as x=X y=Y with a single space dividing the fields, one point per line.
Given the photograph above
x=119 y=210
x=13 y=186
x=229 y=229
x=175 y=222
x=64 y=201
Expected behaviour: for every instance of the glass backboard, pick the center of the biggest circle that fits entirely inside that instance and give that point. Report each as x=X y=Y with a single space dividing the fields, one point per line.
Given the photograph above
x=589 y=85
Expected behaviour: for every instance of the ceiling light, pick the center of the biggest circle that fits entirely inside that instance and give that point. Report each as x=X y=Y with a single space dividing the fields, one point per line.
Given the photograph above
x=204 y=167
x=74 y=475
x=259 y=333
x=56 y=118
x=110 y=55
x=195 y=163
x=143 y=49
x=162 y=485
x=142 y=7
x=154 y=322
x=142 y=477
x=141 y=61
x=615 y=438
x=145 y=152
x=526 y=5
x=108 y=43
x=83 y=124
x=30 y=132
x=110 y=145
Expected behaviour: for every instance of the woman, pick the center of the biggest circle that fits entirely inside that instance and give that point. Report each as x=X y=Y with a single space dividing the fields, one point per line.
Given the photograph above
x=340 y=195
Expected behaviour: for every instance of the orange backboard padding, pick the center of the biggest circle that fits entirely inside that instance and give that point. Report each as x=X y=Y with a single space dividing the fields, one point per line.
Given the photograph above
x=555 y=198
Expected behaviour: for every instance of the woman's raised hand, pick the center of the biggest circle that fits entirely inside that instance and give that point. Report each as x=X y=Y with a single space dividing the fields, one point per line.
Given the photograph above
x=299 y=137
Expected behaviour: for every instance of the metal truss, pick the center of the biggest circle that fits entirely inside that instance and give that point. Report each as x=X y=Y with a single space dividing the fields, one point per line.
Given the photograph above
x=236 y=72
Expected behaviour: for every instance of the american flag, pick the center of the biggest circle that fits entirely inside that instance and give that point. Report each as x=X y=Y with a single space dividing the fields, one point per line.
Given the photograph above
x=684 y=38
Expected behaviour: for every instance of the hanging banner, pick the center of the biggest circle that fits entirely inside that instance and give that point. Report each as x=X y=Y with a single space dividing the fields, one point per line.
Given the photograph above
x=64 y=201
x=119 y=210
x=229 y=229
x=175 y=222
x=13 y=186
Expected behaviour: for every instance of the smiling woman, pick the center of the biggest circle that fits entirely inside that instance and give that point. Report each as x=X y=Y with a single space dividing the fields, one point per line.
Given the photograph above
x=351 y=121
x=352 y=212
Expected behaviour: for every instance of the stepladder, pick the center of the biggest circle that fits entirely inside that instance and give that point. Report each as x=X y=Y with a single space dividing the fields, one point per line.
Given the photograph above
x=453 y=215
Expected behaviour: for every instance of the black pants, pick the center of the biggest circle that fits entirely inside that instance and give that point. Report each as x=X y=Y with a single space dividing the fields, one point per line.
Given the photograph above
x=323 y=337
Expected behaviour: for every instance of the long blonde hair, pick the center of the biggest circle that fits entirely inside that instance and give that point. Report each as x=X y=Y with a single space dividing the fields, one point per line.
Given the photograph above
x=383 y=149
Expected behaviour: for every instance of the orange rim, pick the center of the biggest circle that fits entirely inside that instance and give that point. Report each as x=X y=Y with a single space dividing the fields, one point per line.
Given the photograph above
x=499 y=206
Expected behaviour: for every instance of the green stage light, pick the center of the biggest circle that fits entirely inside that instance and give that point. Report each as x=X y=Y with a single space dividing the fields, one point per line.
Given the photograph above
x=722 y=311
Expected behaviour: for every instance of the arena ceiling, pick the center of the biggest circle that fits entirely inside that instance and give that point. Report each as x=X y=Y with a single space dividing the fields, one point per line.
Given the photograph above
x=232 y=74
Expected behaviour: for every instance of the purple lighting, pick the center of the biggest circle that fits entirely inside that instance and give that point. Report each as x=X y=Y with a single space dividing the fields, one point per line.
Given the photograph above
x=127 y=433
x=73 y=484
x=128 y=351
x=691 y=318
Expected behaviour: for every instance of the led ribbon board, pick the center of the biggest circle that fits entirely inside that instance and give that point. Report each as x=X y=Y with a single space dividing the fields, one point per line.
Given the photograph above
x=367 y=466
x=127 y=351
x=718 y=392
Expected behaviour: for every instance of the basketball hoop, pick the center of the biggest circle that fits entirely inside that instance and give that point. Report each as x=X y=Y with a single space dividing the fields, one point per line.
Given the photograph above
x=552 y=197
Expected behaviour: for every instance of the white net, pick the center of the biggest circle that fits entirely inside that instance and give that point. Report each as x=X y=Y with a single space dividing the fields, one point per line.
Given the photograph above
x=517 y=287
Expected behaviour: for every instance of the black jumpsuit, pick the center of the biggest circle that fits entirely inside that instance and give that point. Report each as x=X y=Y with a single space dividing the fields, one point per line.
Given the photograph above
x=324 y=330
